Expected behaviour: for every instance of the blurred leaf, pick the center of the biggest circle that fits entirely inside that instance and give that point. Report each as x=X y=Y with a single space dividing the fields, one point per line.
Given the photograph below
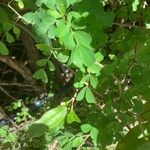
x=44 y=48
x=3 y=49
x=86 y=128
x=93 y=81
x=41 y=74
x=51 y=66
x=81 y=94
x=61 y=6
x=9 y=38
x=36 y=130
x=132 y=139
x=16 y=30
x=83 y=55
x=94 y=135
x=63 y=56
x=72 y=117
x=42 y=62
x=135 y=4
x=3 y=15
x=20 y=4
x=77 y=141
x=53 y=117
x=89 y=96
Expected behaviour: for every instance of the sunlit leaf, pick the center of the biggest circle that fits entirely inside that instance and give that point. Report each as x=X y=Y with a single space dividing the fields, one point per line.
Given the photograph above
x=86 y=128
x=53 y=117
x=89 y=96
x=72 y=117
x=77 y=141
x=81 y=94
x=61 y=6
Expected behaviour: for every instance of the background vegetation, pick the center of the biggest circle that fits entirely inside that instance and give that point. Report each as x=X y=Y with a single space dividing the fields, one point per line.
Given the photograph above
x=75 y=74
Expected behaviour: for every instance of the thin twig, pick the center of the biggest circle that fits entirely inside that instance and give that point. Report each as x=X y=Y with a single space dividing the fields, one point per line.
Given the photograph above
x=19 y=16
x=26 y=30
x=130 y=25
x=97 y=93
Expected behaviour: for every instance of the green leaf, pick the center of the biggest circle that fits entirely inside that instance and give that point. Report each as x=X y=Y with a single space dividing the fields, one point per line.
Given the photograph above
x=53 y=117
x=82 y=38
x=89 y=96
x=68 y=40
x=62 y=29
x=95 y=68
x=3 y=132
x=45 y=17
x=94 y=135
x=61 y=6
x=76 y=57
x=135 y=4
x=51 y=66
x=72 y=117
x=30 y=18
x=51 y=32
x=41 y=30
x=48 y=3
x=83 y=55
x=93 y=81
x=143 y=54
x=3 y=15
x=77 y=141
x=7 y=26
x=20 y=4
x=81 y=94
x=42 y=62
x=99 y=56
x=63 y=56
x=54 y=14
x=44 y=48
x=145 y=146
x=3 y=49
x=97 y=18
x=16 y=30
x=138 y=108
x=9 y=38
x=36 y=130
x=132 y=139
x=68 y=146
x=87 y=55
x=71 y=2
x=86 y=128
x=41 y=74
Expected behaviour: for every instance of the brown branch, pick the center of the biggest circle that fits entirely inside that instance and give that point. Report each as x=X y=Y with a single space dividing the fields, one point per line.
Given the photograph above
x=29 y=43
x=130 y=26
x=6 y=93
x=97 y=93
x=34 y=87
x=15 y=84
x=19 y=67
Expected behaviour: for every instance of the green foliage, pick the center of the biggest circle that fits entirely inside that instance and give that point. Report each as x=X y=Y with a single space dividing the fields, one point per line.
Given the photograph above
x=106 y=46
x=72 y=117
x=3 y=49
